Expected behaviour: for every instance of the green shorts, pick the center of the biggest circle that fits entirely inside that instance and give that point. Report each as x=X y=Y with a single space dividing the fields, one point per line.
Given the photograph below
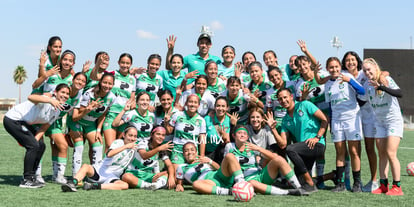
x=108 y=122
x=145 y=176
x=219 y=179
x=262 y=177
x=55 y=128
x=77 y=127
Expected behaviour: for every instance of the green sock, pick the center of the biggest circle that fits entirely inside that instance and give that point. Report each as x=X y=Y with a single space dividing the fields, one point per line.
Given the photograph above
x=384 y=181
x=397 y=183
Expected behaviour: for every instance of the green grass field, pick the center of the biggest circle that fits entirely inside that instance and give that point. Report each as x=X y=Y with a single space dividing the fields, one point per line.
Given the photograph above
x=11 y=169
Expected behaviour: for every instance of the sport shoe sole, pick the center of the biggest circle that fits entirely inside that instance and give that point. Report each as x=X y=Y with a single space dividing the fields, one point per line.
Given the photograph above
x=68 y=188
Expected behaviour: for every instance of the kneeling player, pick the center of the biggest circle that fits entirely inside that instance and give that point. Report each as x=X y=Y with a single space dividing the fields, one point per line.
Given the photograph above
x=107 y=175
x=144 y=171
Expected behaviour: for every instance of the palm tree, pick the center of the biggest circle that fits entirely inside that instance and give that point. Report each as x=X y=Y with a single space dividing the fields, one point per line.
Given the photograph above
x=19 y=76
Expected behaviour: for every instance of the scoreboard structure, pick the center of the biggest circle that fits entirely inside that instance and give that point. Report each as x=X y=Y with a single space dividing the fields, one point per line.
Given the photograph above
x=400 y=64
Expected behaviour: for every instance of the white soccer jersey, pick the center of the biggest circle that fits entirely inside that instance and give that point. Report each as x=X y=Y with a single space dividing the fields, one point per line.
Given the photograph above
x=316 y=94
x=239 y=105
x=343 y=99
x=40 y=113
x=386 y=107
x=366 y=110
x=192 y=172
x=206 y=103
x=119 y=162
x=187 y=129
x=271 y=99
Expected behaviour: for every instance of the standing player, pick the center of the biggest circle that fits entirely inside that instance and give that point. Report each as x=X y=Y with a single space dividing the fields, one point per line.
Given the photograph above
x=150 y=81
x=124 y=90
x=341 y=91
x=140 y=117
x=195 y=61
x=238 y=100
x=388 y=125
x=50 y=57
x=87 y=121
x=258 y=86
x=20 y=122
x=226 y=68
x=188 y=126
x=215 y=84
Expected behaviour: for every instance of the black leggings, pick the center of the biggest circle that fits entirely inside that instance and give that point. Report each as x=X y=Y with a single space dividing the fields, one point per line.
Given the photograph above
x=25 y=136
x=303 y=157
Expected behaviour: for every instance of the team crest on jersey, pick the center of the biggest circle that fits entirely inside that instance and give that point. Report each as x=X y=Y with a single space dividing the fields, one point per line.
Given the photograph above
x=300 y=112
x=198 y=123
x=180 y=119
x=220 y=88
x=205 y=106
x=267 y=86
x=151 y=119
x=240 y=101
x=131 y=80
x=341 y=86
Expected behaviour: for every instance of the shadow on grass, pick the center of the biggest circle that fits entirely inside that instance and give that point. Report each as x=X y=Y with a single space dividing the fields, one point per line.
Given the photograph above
x=13 y=180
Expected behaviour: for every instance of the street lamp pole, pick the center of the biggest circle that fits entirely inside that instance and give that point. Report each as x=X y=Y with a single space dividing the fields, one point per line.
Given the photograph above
x=336 y=43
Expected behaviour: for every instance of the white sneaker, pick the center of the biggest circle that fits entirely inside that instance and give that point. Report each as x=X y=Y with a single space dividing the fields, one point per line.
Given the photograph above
x=40 y=180
x=370 y=186
x=60 y=180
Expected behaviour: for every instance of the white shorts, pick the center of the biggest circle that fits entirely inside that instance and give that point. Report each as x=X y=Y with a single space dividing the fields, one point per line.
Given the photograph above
x=368 y=122
x=104 y=175
x=347 y=130
x=386 y=128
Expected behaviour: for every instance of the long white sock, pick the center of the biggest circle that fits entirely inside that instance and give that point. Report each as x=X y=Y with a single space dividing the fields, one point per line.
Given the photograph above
x=39 y=169
x=293 y=180
x=61 y=166
x=143 y=184
x=238 y=176
x=77 y=157
x=54 y=168
x=96 y=153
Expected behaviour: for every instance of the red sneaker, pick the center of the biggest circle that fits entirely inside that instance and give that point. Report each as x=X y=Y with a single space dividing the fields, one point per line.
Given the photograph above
x=395 y=191
x=381 y=189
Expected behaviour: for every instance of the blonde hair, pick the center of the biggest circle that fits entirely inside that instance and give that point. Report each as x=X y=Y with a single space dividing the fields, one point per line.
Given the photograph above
x=260 y=111
x=377 y=67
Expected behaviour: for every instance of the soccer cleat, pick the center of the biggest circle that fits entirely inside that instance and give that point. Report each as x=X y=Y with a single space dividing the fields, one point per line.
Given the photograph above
x=340 y=187
x=356 y=188
x=382 y=189
x=69 y=187
x=309 y=188
x=30 y=184
x=395 y=191
x=90 y=186
x=298 y=192
x=151 y=186
x=370 y=186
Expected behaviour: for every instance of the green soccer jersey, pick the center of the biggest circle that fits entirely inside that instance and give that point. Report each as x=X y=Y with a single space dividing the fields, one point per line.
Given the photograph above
x=192 y=172
x=303 y=125
x=262 y=88
x=196 y=62
x=169 y=82
x=48 y=64
x=213 y=137
x=123 y=87
x=239 y=105
x=316 y=92
x=218 y=88
x=150 y=165
x=246 y=159
x=71 y=103
x=150 y=85
x=50 y=84
x=143 y=124
x=187 y=128
x=92 y=116
x=89 y=82
x=272 y=104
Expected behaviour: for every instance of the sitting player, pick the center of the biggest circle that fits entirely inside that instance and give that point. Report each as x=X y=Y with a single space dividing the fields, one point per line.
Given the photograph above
x=144 y=171
x=107 y=174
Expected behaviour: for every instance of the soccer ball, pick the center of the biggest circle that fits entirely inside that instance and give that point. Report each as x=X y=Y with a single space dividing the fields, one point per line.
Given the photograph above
x=243 y=191
x=410 y=168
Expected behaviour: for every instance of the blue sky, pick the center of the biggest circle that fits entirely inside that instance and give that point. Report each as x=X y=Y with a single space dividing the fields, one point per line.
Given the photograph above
x=141 y=27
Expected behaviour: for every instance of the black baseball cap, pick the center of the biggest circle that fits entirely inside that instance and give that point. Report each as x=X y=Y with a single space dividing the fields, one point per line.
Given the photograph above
x=204 y=35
